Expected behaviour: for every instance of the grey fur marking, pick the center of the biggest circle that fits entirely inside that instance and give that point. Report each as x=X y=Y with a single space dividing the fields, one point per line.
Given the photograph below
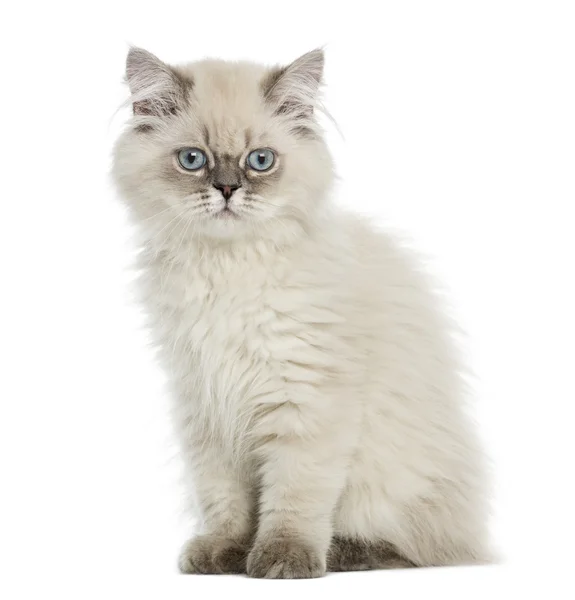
x=227 y=171
x=347 y=554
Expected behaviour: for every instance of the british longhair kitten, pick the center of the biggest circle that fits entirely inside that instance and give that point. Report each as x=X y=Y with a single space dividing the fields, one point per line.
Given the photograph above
x=318 y=399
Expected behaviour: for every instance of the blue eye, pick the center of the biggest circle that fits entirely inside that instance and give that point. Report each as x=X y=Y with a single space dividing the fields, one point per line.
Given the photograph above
x=191 y=159
x=261 y=159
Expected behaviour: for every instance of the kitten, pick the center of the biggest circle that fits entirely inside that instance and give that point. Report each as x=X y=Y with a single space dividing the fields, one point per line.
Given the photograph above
x=318 y=400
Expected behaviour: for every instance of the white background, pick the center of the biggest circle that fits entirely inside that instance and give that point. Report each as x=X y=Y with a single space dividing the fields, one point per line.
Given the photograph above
x=459 y=129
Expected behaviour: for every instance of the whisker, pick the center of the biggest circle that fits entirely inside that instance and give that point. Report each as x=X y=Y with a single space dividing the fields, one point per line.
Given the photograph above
x=185 y=229
x=161 y=212
x=164 y=227
x=260 y=199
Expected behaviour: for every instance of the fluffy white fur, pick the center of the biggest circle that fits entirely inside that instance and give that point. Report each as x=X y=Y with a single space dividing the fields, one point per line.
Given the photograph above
x=317 y=392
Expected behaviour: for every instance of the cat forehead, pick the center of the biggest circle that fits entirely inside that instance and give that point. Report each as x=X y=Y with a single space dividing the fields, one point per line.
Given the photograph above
x=226 y=92
x=227 y=102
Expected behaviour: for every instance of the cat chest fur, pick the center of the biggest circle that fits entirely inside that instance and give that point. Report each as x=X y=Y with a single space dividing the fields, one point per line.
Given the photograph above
x=235 y=334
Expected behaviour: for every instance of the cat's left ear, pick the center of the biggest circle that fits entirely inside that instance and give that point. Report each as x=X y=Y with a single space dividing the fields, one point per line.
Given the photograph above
x=293 y=90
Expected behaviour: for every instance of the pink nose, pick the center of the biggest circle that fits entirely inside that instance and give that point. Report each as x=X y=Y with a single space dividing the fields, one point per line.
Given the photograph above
x=226 y=190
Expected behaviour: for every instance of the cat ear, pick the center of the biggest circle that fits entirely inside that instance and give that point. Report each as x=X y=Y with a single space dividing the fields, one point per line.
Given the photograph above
x=293 y=90
x=156 y=88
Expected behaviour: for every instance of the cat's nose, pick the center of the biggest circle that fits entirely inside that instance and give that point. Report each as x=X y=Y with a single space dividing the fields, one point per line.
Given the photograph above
x=226 y=190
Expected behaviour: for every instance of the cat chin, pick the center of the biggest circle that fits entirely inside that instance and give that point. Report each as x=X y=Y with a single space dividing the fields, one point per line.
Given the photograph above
x=226 y=228
x=246 y=229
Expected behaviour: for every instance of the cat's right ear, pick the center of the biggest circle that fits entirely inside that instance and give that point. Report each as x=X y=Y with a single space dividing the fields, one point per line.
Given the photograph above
x=157 y=90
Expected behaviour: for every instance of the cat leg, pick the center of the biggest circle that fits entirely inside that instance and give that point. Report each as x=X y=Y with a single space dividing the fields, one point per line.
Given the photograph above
x=376 y=528
x=446 y=529
x=364 y=525
x=301 y=479
x=226 y=508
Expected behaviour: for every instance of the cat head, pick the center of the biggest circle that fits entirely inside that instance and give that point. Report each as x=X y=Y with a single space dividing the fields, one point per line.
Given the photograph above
x=224 y=149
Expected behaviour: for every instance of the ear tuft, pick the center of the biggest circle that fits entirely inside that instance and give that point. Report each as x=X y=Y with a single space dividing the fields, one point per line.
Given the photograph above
x=294 y=90
x=156 y=88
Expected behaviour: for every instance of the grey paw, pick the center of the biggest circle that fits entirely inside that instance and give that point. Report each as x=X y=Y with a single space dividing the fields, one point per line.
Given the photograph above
x=348 y=554
x=209 y=554
x=284 y=558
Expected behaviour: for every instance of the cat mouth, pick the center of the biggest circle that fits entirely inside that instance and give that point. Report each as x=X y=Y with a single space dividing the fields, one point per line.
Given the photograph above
x=226 y=214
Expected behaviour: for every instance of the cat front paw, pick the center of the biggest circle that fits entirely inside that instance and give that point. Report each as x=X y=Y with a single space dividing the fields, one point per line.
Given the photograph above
x=210 y=554
x=284 y=558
